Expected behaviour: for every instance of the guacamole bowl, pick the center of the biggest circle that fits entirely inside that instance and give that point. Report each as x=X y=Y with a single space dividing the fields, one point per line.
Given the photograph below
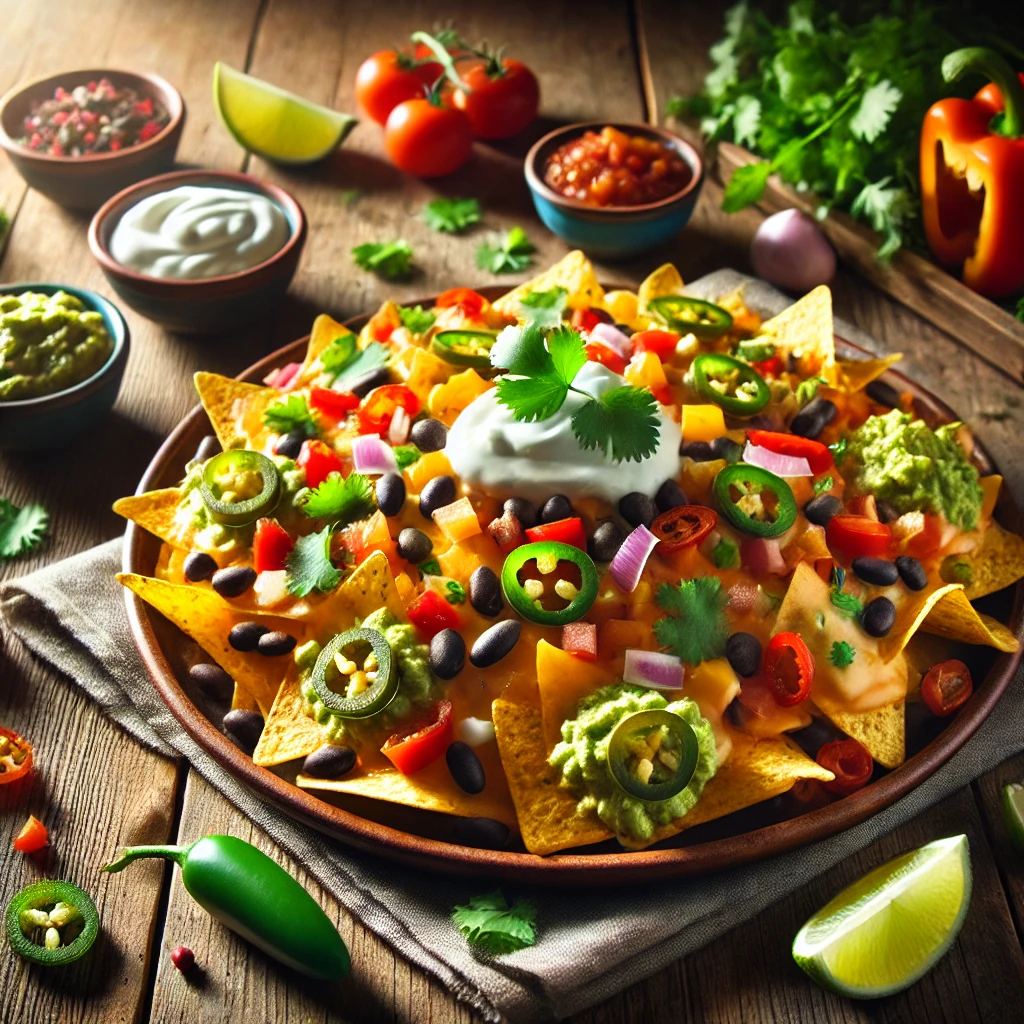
x=51 y=419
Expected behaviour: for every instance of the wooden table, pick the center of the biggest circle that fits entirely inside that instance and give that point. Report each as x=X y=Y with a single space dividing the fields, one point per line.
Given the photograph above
x=97 y=789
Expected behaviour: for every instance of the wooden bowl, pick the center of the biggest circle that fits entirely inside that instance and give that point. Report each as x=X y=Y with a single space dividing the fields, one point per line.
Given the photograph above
x=424 y=839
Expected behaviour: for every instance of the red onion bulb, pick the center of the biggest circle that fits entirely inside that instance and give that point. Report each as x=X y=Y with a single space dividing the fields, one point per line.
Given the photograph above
x=791 y=251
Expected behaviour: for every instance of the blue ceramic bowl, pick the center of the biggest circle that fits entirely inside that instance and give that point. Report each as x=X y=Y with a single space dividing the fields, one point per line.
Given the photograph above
x=204 y=305
x=612 y=231
x=51 y=420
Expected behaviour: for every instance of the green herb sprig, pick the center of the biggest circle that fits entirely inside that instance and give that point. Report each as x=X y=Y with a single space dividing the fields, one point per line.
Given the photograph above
x=507 y=254
x=451 y=215
x=292 y=413
x=309 y=568
x=494 y=927
x=22 y=530
x=342 y=501
x=390 y=260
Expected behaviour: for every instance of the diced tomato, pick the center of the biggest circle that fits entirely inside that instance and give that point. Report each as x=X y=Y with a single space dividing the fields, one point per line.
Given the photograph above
x=946 y=687
x=32 y=837
x=853 y=536
x=470 y=302
x=849 y=762
x=661 y=343
x=336 y=405
x=271 y=545
x=788 y=669
x=319 y=461
x=818 y=457
x=564 y=531
x=599 y=353
x=430 y=613
x=663 y=395
x=580 y=639
x=415 y=748
x=587 y=319
x=377 y=408
x=769 y=367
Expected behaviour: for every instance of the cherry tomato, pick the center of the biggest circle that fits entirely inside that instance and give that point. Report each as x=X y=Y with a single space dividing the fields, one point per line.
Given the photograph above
x=683 y=526
x=818 y=457
x=503 y=99
x=588 y=318
x=470 y=302
x=788 y=669
x=32 y=837
x=384 y=80
x=427 y=141
x=946 y=687
x=430 y=613
x=424 y=743
x=319 y=461
x=564 y=531
x=378 y=407
x=336 y=405
x=661 y=343
x=598 y=353
x=271 y=546
x=849 y=762
x=15 y=756
x=854 y=536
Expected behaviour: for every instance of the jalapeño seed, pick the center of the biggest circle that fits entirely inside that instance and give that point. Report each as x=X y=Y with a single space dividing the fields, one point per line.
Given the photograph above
x=912 y=572
x=879 y=616
x=199 y=566
x=821 y=509
x=523 y=510
x=274 y=644
x=494 y=643
x=246 y=635
x=290 y=445
x=329 y=762
x=233 y=581
x=481 y=833
x=556 y=507
x=814 y=417
x=213 y=679
x=744 y=653
x=670 y=495
x=879 y=572
x=699 y=451
x=390 y=494
x=208 y=447
x=363 y=385
x=726 y=448
x=605 y=543
x=882 y=393
x=437 y=493
x=414 y=545
x=485 y=592
x=637 y=509
x=447 y=654
x=244 y=727
x=465 y=766
x=429 y=435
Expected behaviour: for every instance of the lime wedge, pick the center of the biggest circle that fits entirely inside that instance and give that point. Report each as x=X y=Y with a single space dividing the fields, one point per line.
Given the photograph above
x=275 y=124
x=885 y=931
x=1013 y=814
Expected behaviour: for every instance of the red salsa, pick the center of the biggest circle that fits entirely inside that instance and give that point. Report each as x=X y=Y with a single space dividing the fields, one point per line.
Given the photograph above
x=612 y=168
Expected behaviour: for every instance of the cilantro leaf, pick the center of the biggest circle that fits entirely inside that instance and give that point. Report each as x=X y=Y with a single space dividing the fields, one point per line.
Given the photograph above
x=309 y=567
x=417 y=319
x=521 y=350
x=544 y=308
x=826 y=483
x=848 y=604
x=623 y=420
x=696 y=628
x=451 y=215
x=291 y=414
x=532 y=398
x=884 y=207
x=21 y=529
x=431 y=567
x=568 y=353
x=456 y=592
x=374 y=356
x=490 y=924
x=842 y=654
x=391 y=260
x=746 y=186
x=341 y=501
x=875 y=111
x=406 y=455
x=336 y=356
x=807 y=389
x=838 y=450
x=746 y=120
x=507 y=254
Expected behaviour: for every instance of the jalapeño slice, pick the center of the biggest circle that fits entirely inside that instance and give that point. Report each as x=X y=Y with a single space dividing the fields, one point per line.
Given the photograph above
x=241 y=467
x=652 y=755
x=528 y=598
x=328 y=674
x=742 y=391
x=689 y=315
x=759 y=491
x=56 y=910
x=464 y=348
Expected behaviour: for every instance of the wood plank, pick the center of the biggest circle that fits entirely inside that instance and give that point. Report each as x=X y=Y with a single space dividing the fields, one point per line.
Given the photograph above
x=1010 y=862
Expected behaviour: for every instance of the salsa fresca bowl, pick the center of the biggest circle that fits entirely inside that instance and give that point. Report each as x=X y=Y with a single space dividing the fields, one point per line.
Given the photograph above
x=446 y=837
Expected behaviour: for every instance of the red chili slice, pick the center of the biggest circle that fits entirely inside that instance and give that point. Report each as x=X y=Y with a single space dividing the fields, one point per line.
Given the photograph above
x=424 y=743
x=946 y=687
x=683 y=526
x=854 y=536
x=564 y=531
x=818 y=457
x=15 y=756
x=849 y=762
x=788 y=669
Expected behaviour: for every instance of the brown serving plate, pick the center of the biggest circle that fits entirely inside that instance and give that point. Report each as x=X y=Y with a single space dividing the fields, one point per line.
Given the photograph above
x=425 y=839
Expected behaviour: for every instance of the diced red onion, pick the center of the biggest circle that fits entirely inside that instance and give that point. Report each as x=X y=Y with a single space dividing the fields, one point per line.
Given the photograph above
x=371 y=455
x=283 y=377
x=611 y=336
x=401 y=421
x=629 y=561
x=763 y=555
x=653 y=670
x=780 y=465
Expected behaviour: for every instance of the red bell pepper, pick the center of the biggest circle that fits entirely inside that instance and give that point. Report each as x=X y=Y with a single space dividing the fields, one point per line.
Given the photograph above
x=598 y=353
x=378 y=407
x=972 y=166
x=32 y=837
x=853 y=536
x=271 y=546
x=661 y=343
x=319 y=461
x=770 y=367
x=411 y=750
x=565 y=531
x=818 y=457
x=470 y=302
x=335 y=405
x=587 y=319
x=788 y=669
x=430 y=613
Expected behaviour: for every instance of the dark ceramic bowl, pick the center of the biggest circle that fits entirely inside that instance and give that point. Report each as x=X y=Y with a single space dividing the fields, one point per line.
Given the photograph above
x=210 y=304
x=612 y=231
x=51 y=419
x=86 y=182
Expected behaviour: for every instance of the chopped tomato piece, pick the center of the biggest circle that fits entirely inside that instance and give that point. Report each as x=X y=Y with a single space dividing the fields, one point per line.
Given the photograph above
x=661 y=343
x=15 y=756
x=430 y=613
x=415 y=748
x=853 y=536
x=32 y=837
x=599 y=353
x=271 y=546
x=565 y=531
x=587 y=319
x=319 y=461
x=849 y=762
x=788 y=669
x=336 y=405
x=946 y=687
x=377 y=408
x=920 y=533
x=580 y=639
x=818 y=457
x=769 y=367
x=470 y=302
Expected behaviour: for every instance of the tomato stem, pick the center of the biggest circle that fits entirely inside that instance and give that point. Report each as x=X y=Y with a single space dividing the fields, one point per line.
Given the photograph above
x=444 y=58
x=984 y=61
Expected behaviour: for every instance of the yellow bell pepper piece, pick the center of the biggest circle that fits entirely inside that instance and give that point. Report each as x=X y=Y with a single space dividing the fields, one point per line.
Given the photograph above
x=702 y=422
x=458 y=520
x=426 y=468
x=645 y=371
x=447 y=400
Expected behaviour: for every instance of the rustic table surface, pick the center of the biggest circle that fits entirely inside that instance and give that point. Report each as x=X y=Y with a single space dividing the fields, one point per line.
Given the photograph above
x=99 y=790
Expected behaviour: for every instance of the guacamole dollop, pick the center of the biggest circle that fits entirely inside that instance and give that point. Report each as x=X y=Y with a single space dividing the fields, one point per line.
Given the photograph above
x=48 y=343
x=914 y=468
x=417 y=687
x=582 y=757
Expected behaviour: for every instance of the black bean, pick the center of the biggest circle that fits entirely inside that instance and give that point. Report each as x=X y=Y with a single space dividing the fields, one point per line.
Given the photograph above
x=199 y=566
x=494 y=643
x=811 y=738
x=414 y=545
x=447 y=654
x=821 y=509
x=485 y=592
x=744 y=653
x=626 y=329
x=233 y=581
x=429 y=435
x=882 y=393
x=886 y=513
x=879 y=616
x=437 y=493
x=670 y=495
x=363 y=385
x=637 y=508
x=329 y=762
x=465 y=766
x=814 y=417
x=606 y=541
x=556 y=507
x=523 y=510
x=244 y=727
x=481 y=833
x=879 y=572
x=699 y=451
x=726 y=448
x=391 y=493
x=290 y=445
x=912 y=572
x=208 y=447
x=246 y=635
x=213 y=679
x=273 y=644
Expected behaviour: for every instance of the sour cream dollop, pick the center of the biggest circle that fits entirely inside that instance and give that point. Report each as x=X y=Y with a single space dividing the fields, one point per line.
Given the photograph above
x=195 y=231
x=504 y=457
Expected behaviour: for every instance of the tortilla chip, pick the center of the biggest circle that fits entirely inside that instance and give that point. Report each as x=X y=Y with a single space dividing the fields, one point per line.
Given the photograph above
x=882 y=732
x=573 y=272
x=666 y=280
x=856 y=375
x=236 y=409
x=288 y=732
x=997 y=563
x=564 y=681
x=326 y=330
x=387 y=316
x=955 y=617
x=155 y=512
x=805 y=331
x=243 y=700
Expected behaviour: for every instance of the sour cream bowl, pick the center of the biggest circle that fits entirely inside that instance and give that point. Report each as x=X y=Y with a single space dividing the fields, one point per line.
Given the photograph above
x=196 y=304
